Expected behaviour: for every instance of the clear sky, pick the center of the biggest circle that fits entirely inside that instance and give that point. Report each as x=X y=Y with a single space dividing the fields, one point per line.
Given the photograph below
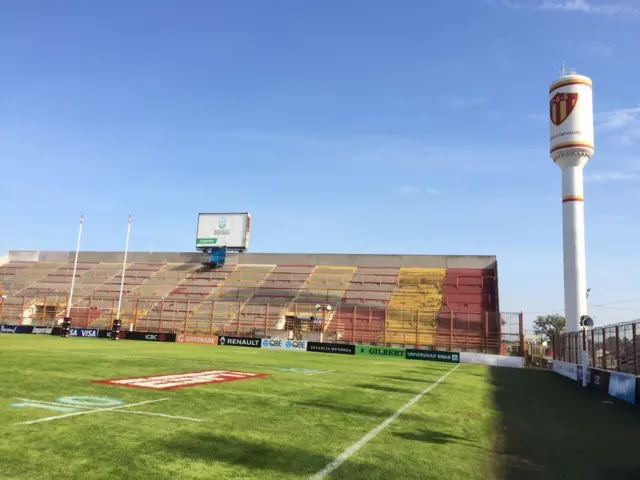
x=363 y=126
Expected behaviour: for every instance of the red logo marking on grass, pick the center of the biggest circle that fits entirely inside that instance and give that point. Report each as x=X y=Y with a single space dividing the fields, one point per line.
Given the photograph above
x=180 y=380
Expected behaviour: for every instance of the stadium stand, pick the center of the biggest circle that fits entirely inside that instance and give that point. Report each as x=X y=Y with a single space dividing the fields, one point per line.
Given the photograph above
x=425 y=300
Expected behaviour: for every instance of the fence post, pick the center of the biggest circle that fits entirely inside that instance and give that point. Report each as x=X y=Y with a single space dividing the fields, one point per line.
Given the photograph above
x=161 y=312
x=500 y=320
x=91 y=319
x=185 y=326
x=2 y=309
x=213 y=316
x=21 y=318
x=593 y=349
x=111 y=310
x=238 y=320
x=134 y=319
x=451 y=331
x=521 y=319
x=617 y=348
x=44 y=310
x=635 y=351
x=266 y=320
x=436 y=329
x=355 y=318
x=384 y=329
x=486 y=332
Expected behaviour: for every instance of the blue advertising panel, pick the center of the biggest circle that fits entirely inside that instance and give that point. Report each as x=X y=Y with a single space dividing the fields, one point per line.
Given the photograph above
x=623 y=386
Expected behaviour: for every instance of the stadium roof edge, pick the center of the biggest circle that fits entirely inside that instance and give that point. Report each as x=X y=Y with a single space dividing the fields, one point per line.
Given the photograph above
x=321 y=259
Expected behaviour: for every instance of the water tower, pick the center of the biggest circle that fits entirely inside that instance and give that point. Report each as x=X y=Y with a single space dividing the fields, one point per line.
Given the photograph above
x=571 y=135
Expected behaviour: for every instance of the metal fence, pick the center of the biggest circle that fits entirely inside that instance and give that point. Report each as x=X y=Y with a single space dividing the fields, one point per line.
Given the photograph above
x=612 y=347
x=485 y=332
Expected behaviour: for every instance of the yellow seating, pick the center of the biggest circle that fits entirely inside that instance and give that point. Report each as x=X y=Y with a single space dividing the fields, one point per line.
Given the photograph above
x=414 y=306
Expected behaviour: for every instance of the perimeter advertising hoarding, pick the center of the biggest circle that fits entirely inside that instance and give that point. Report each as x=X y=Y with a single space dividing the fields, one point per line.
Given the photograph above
x=16 y=328
x=380 y=351
x=227 y=341
x=150 y=336
x=623 y=386
x=433 y=355
x=197 y=339
x=566 y=369
x=599 y=379
x=337 y=348
x=279 y=344
x=223 y=230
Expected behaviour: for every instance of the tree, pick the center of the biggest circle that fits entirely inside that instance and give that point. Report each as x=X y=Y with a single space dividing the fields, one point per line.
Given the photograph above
x=547 y=325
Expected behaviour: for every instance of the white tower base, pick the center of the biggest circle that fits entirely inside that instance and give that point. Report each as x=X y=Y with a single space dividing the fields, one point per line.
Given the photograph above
x=575 y=275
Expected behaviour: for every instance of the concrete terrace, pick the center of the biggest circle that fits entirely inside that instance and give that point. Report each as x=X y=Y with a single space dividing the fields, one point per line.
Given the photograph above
x=392 y=299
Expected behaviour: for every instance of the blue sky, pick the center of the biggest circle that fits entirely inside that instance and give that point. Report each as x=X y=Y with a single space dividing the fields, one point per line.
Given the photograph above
x=371 y=126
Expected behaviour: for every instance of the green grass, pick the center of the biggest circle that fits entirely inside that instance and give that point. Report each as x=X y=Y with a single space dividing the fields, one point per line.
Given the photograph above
x=479 y=423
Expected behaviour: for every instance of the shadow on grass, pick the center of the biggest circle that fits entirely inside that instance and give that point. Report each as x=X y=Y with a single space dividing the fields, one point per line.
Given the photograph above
x=385 y=388
x=424 y=381
x=358 y=410
x=431 y=436
x=246 y=453
x=552 y=428
x=428 y=371
x=257 y=455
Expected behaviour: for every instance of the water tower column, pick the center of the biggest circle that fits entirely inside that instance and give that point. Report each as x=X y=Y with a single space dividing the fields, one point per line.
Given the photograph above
x=571 y=138
x=575 y=273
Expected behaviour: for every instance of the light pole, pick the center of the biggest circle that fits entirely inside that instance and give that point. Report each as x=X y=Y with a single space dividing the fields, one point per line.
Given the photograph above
x=324 y=309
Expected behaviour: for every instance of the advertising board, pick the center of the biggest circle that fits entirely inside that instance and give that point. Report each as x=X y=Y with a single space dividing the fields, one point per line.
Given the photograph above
x=337 y=348
x=223 y=230
x=296 y=345
x=42 y=330
x=380 y=351
x=199 y=339
x=566 y=369
x=16 y=328
x=149 y=336
x=84 y=332
x=227 y=341
x=599 y=379
x=623 y=386
x=433 y=355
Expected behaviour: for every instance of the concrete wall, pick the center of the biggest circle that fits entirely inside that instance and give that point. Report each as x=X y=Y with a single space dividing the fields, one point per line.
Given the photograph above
x=26 y=256
x=424 y=261
x=492 y=360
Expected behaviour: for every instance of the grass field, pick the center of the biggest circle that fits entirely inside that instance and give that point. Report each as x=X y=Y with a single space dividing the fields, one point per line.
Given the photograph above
x=311 y=409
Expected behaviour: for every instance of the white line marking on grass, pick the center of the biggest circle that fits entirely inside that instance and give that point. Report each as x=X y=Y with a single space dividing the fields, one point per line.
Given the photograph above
x=164 y=415
x=344 y=456
x=67 y=415
x=57 y=404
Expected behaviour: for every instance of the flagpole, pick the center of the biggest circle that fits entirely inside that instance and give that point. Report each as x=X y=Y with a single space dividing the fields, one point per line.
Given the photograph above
x=124 y=267
x=75 y=266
